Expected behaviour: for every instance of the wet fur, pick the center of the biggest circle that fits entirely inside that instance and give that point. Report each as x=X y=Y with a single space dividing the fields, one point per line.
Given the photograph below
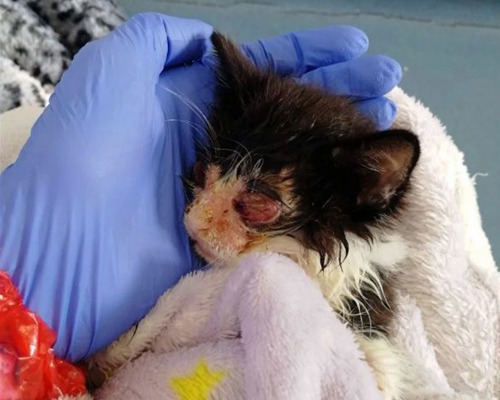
x=292 y=169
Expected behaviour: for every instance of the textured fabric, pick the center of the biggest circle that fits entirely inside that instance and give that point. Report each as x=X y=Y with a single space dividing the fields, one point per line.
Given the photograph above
x=449 y=287
x=38 y=38
x=78 y=21
x=291 y=347
x=447 y=313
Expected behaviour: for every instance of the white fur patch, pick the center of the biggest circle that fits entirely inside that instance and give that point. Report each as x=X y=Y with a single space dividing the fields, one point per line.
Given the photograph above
x=387 y=365
x=340 y=284
x=360 y=267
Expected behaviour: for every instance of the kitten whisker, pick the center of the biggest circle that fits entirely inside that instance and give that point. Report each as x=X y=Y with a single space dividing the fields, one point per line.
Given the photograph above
x=196 y=110
x=241 y=165
x=194 y=125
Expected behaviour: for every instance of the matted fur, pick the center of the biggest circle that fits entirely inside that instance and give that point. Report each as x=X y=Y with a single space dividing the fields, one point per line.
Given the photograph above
x=38 y=38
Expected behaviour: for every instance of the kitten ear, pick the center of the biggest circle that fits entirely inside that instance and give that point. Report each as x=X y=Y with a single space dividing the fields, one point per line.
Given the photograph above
x=383 y=163
x=234 y=69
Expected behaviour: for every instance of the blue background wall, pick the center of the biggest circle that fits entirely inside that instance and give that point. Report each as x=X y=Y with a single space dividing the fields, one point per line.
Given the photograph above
x=449 y=49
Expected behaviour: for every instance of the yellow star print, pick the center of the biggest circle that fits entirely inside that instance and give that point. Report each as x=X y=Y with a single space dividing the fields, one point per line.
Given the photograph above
x=198 y=385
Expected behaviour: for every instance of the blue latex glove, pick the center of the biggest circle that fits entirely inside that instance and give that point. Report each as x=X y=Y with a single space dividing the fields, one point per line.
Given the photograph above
x=91 y=213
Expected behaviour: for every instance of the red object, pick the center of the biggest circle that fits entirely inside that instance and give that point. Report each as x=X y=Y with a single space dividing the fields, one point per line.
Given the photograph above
x=29 y=370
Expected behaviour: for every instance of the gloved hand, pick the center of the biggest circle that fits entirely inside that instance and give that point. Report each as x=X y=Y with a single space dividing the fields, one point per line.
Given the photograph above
x=91 y=213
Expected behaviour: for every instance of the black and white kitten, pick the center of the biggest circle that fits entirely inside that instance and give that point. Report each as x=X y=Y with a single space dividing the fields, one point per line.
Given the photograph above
x=293 y=169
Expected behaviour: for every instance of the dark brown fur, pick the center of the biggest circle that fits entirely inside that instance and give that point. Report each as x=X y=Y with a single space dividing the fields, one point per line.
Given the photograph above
x=373 y=315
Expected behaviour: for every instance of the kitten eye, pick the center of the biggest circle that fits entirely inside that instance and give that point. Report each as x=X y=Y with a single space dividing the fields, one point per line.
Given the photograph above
x=254 y=186
x=257 y=209
x=199 y=172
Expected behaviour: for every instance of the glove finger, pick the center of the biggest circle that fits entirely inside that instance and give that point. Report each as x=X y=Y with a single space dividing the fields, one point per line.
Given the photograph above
x=362 y=78
x=186 y=104
x=134 y=54
x=380 y=110
x=296 y=53
x=153 y=41
x=116 y=74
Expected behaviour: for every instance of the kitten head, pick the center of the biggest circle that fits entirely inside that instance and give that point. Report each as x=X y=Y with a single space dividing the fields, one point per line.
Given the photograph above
x=284 y=158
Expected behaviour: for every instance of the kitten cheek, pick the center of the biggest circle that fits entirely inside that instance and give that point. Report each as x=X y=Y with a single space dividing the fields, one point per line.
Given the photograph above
x=257 y=209
x=218 y=232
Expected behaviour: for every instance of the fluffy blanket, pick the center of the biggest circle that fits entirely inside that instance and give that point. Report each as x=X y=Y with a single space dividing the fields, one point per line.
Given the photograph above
x=38 y=38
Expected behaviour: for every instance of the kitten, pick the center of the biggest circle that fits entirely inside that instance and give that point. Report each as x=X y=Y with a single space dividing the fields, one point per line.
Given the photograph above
x=292 y=169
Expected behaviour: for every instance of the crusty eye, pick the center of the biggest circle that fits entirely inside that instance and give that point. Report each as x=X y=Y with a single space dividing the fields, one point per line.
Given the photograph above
x=257 y=209
x=199 y=172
